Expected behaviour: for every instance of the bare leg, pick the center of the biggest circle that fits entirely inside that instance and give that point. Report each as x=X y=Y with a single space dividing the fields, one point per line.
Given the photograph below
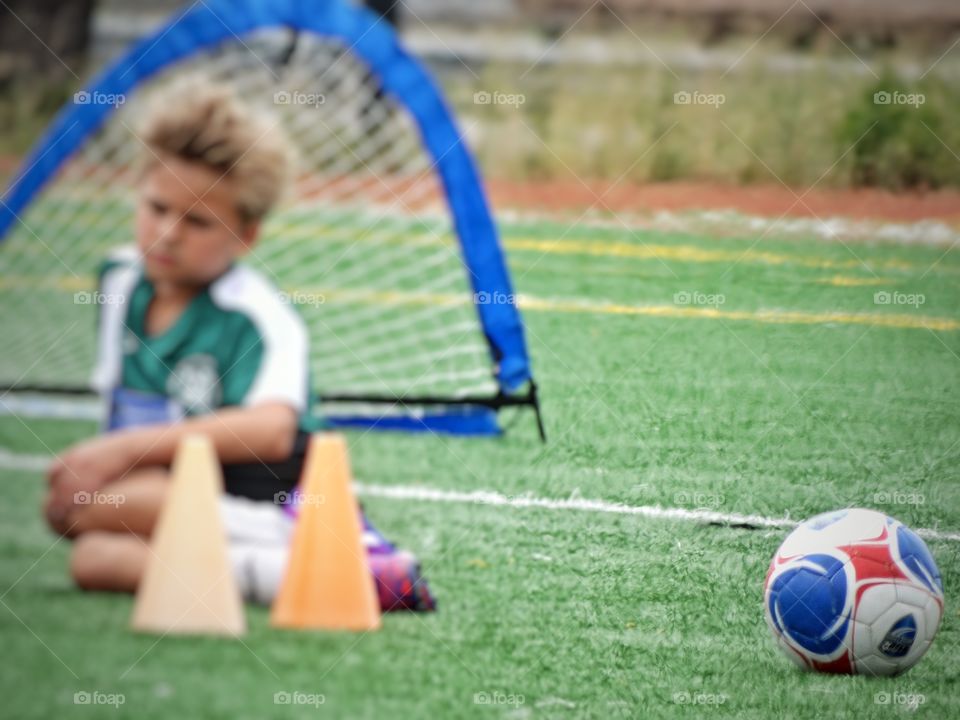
x=108 y=561
x=130 y=505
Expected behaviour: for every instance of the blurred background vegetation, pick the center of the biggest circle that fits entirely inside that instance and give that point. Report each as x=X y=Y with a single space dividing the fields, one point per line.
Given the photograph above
x=807 y=126
x=548 y=89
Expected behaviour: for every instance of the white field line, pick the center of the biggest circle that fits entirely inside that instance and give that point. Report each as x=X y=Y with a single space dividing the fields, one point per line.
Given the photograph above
x=13 y=461
x=485 y=497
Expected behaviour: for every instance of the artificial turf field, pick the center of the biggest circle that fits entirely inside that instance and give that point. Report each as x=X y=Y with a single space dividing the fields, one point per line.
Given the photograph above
x=795 y=395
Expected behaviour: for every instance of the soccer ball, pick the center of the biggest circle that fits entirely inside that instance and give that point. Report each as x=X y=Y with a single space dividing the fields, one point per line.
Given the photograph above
x=856 y=592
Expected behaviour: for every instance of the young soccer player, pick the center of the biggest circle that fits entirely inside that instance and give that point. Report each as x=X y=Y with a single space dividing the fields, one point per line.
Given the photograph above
x=192 y=341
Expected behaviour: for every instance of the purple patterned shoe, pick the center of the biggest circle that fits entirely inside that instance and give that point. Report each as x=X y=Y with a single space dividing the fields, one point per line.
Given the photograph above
x=400 y=586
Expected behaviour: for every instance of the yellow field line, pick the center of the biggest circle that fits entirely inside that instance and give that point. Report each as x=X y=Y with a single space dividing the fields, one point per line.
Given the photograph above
x=644 y=251
x=691 y=253
x=848 y=281
x=559 y=305
x=787 y=317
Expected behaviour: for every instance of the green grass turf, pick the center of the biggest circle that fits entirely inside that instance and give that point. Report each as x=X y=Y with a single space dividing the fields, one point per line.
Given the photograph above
x=582 y=614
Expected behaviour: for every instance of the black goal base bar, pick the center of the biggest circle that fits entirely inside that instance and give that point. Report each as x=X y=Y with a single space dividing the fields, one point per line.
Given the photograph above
x=530 y=399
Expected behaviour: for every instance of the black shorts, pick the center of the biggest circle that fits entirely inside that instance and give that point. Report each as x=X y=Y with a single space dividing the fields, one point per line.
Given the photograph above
x=260 y=480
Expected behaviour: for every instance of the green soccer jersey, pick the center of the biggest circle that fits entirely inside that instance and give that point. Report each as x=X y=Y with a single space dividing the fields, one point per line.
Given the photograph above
x=238 y=343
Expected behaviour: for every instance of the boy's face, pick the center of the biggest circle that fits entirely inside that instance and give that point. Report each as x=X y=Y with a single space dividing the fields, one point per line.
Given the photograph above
x=189 y=230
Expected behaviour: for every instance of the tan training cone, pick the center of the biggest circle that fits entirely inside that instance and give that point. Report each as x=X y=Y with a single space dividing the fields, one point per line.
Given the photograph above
x=188 y=586
x=327 y=584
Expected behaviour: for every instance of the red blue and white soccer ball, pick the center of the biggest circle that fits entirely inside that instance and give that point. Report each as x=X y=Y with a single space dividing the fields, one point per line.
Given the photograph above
x=854 y=591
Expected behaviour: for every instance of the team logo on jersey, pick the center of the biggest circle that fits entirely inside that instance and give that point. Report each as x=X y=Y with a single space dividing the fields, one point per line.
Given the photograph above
x=195 y=384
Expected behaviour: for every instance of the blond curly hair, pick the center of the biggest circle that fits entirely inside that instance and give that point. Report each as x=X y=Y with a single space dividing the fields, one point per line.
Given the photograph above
x=198 y=120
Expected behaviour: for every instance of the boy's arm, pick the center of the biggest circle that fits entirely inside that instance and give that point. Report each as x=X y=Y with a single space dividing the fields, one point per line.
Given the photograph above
x=263 y=432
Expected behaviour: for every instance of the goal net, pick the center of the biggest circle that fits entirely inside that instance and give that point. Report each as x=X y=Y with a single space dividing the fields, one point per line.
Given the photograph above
x=385 y=245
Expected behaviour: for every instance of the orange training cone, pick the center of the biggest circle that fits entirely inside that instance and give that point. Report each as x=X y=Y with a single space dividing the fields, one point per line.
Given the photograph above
x=188 y=586
x=327 y=584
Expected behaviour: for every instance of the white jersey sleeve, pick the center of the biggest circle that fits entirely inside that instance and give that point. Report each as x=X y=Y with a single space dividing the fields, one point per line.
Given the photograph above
x=283 y=373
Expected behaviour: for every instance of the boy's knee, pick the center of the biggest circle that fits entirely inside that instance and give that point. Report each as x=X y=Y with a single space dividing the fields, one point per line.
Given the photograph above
x=91 y=564
x=107 y=561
